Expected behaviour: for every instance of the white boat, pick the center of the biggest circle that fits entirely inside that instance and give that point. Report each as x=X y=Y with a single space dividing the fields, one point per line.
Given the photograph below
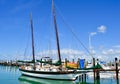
x=56 y=75
x=50 y=70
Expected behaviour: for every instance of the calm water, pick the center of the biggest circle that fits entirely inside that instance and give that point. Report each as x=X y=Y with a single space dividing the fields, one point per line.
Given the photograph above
x=11 y=75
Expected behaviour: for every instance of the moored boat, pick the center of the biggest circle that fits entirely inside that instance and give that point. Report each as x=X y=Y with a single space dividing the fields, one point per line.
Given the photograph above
x=47 y=69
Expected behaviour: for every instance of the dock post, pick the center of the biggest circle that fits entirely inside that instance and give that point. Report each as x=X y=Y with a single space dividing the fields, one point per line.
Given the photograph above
x=97 y=75
x=116 y=67
x=97 y=72
x=93 y=69
x=50 y=61
x=79 y=78
x=11 y=62
x=41 y=63
x=82 y=78
x=65 y=62
x=78 y=63
x=73 y=60
x=85 y=77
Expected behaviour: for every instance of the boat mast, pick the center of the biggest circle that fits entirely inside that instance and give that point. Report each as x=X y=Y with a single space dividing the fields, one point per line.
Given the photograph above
x=32 y=35
x=56 y=31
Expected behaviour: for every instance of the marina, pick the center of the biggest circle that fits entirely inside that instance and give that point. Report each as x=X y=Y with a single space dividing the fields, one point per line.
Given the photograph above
x=39 y=45
x=11 y=75
x=82 y=76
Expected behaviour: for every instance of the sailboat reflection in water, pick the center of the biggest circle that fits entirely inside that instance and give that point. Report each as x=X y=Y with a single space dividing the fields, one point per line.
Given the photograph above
x=31 y=80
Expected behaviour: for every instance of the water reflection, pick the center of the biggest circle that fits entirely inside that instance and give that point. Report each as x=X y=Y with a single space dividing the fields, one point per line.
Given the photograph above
x=9 y=68
x=31 y=80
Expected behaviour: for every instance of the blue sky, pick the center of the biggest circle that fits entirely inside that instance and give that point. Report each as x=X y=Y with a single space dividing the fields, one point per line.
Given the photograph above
x=82 y=16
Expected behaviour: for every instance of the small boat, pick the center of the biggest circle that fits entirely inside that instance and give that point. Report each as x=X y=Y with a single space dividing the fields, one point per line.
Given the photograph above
x=47 y=69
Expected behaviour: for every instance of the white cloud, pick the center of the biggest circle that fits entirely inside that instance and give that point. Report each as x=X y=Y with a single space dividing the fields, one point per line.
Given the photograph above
x=93 y=33
x=117 y=46
x=105 y=54
x=65 y=53
x=102 y=29
x=110 y=54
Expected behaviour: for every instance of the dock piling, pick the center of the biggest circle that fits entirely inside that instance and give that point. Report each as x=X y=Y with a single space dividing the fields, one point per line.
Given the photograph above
x=93 y=69
x=116 y=68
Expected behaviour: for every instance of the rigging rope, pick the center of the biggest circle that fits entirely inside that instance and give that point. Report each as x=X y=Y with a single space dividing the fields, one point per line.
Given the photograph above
x=26 y=48
x=70 y=29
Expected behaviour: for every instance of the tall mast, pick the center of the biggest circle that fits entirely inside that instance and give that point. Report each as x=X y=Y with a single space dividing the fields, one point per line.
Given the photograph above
x=32 y=35
x=56 y=31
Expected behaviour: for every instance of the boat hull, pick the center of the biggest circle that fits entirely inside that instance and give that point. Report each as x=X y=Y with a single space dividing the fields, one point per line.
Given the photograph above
x=32 y=80
x=50 y=75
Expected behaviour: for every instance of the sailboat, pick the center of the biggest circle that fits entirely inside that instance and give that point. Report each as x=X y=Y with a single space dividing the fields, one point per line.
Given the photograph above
x=47 y=69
